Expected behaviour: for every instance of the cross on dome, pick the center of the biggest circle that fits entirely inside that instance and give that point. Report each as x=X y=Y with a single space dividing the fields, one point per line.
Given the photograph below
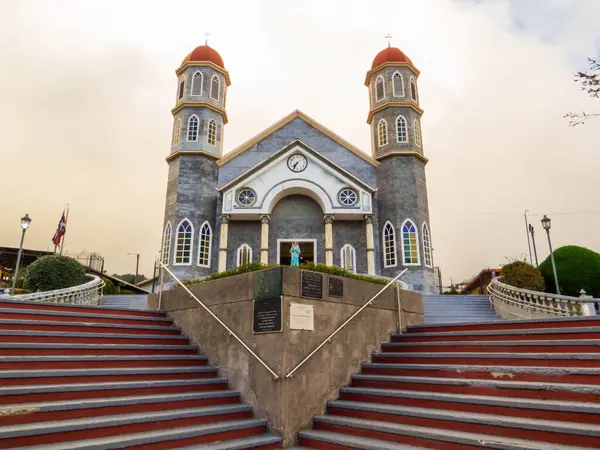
x=206 y=35
x=389 y=38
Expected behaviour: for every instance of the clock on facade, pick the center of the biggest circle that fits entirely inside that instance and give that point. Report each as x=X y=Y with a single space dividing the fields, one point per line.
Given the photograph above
x=297 y=163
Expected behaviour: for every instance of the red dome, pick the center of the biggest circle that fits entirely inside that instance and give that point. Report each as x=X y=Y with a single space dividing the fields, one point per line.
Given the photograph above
x=391 y=55
x=204 y=53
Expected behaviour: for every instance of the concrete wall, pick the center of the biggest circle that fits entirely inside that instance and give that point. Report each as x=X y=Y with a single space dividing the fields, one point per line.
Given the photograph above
x=288 y=403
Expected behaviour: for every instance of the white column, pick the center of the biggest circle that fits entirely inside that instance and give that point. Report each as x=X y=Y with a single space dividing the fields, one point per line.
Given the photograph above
x=223 y=242
x=265 y=220
x=328 y=219
x=370 y=245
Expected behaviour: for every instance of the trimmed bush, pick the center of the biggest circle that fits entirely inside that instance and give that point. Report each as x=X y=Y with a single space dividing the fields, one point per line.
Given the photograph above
x=52 y=272
x=250 y=267
x=523 y=275
x=576 y=267
x=340 y=272
x=109 y=287
x=126 y=292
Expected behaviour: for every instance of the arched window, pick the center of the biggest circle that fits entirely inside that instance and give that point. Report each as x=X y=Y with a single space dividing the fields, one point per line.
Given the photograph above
x=413 y=89
x=215 y=84
x=389 y=245
x=204 y=246
x=192 y=129
x=410 y=245
x=382 y=136
x=176 y=131
x=401 y=129
x=183 y=245
x=398 y=84
x=166 y=247
x=348 y=258
x=379 y=88
x=212 y=132
x=244 y=255
x=427 y=246
x=197 y=83
x=181 y=88
x=417 y=131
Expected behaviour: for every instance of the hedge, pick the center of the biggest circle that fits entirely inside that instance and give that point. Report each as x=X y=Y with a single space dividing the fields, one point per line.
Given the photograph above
x=521 y=274
x=577 y=268
x=52 y=272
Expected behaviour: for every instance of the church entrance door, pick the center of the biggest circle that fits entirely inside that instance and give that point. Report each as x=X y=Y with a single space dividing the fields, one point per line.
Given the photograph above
x=308 y=249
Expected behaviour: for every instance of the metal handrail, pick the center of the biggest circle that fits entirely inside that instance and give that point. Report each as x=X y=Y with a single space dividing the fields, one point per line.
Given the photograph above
x=231 y=333
x=345 y=323
x=88 y=293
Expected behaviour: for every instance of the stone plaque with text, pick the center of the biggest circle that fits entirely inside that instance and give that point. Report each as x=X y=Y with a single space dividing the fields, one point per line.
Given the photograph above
x=302 y=317
x=267 y=317
x=336 y=287
x=311 y=284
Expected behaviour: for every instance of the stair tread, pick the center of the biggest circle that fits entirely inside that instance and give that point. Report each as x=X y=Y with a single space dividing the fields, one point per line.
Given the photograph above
x=519 y=331
x=43 y=358
x=470 y=355
x=512 y=402
x=83 y=314
x=104 y=371
x=43 y=388
x=238 y=444
x=69 y=305
x=84 y=324
x=479 y=418
x=523 y=343
x=31 y=429
x=88 y=335
x=354 y=441
x=96 y=346
x=114 y=401
x=489 y=368
x=524 y=321
x=445 y=435
x=130 y=440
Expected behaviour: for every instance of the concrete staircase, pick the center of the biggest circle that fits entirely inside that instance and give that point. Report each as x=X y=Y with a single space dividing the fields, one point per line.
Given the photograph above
x=500 y=385
x=84 y=377
x=125 y=301
x=458 y=308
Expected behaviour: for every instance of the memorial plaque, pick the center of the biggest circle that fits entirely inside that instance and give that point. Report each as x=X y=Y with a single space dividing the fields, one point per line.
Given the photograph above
x=336 y=287
x=311 y=284
x=267 y=316
x=268 y=284
x=302 y=317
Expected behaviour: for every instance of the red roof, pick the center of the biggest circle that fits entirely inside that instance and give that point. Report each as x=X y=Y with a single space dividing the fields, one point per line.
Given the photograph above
x=391 y=55
x=204 y=53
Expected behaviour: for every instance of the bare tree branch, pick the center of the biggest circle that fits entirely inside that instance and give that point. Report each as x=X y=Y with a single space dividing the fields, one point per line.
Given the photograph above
x=590 y=83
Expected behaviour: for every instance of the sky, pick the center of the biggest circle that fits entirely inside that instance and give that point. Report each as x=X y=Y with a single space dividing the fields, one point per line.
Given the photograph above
x=86 y=90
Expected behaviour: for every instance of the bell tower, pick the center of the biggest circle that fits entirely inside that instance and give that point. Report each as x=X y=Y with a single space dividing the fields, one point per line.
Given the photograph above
x=395 y=122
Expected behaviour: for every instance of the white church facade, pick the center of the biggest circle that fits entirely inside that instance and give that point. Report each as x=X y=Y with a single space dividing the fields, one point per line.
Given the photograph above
x=298 y=181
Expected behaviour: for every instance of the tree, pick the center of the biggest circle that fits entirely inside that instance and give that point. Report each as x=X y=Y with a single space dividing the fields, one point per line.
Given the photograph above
x=52 y=272
x=576 y=267
x=523 y=275
x=130 y=278
x=590 y=83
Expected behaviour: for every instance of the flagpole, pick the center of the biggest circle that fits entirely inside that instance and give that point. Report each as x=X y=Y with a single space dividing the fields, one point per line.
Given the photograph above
x=65 y=233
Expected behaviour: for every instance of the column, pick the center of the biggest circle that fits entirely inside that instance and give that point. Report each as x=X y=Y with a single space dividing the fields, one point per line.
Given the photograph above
x=370 y=245
x=223 y=242
x=265 y=220
x=328 y=219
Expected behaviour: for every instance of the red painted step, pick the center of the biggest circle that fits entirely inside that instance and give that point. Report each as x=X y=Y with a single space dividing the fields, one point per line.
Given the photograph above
x=82 y=339
x=524 y=336
x=594 y=321
x=491 y=348
x=40 y=306
x=97 y=363
x=94 y=351
x=114 y=320
x=90 y=327
x=467 y=359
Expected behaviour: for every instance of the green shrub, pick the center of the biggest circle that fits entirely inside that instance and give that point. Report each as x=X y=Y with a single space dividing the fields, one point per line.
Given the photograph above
x=126 y=292
x=523 y=275
x=53 y=272
x=576 y=267
x=250 y=267
x=109 y=287
x=340 y=272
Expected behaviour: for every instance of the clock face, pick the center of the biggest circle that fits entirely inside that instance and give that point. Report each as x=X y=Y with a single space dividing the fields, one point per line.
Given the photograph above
x=297 y=163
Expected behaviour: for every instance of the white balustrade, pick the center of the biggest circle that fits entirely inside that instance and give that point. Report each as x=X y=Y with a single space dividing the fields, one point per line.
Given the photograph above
x=515 y=303
x=85 y=294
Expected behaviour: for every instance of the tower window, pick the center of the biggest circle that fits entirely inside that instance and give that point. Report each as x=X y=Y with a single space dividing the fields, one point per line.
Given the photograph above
x=166 y=248
x=417 y=131
x=197 y=83
x=427 y=246
x=176 y=132
x=244 y=255
x=379 y=88
x=348 y=258
x=401 y=129
x=413 y=89
x=410 y=247
x=389 y=245
x=348 y=197
x=204 y=248
x=181 y=88
x=398 y=84
x=212 y=132
x=192 y=131
x=215 y=84
x=183 y=248
x=382 y=135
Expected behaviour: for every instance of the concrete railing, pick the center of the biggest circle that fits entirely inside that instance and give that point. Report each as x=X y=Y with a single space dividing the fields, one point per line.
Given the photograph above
x=515 y=303
x=85 y=294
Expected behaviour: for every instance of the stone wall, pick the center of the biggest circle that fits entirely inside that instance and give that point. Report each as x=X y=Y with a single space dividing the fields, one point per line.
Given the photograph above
x=288 y=403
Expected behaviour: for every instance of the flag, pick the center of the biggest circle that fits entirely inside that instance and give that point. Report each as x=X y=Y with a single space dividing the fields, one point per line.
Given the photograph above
x=60 y=231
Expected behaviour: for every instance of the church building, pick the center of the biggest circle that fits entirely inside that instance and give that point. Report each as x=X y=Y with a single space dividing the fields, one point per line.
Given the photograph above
x=298 y=181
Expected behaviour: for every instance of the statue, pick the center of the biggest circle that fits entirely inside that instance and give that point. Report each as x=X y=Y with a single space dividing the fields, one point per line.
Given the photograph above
x=295 y=251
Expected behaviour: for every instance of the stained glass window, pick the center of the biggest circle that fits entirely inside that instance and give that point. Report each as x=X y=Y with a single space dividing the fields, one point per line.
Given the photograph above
x=183 y=250
x=401 y=129
x=410 y=247
x=212 y=132
x=382 y=133
x=204 y=248
x=192 y=131
x=417 y=131
x=348 y=197
x=246 y=197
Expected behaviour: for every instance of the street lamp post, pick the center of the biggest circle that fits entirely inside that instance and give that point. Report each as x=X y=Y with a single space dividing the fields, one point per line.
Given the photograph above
x=25 y=222
x=137 y=266
x=546 y=223
x=531 y=230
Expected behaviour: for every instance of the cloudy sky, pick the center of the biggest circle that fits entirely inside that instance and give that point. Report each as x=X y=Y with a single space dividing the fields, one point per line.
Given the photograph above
x=86 y=89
